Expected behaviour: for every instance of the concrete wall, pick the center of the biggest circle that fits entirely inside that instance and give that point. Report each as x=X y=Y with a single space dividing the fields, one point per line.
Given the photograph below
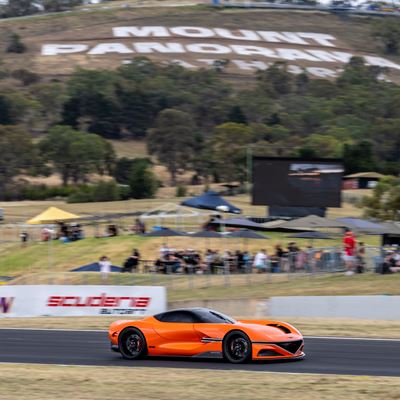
x=236 y=308
x=358 y=307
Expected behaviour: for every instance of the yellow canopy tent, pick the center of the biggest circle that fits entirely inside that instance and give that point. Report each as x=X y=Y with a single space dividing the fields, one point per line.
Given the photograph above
x=52 y=215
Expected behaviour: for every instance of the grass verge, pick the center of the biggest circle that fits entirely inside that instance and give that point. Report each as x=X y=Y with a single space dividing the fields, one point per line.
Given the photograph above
x=249 y=286
x=48 y=382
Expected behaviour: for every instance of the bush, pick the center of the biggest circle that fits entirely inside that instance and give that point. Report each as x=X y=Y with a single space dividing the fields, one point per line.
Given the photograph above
x=23 y=191
x=15 y=44
x=26 y=77
x=142 y=181
x=181 y=191
x=103 y=191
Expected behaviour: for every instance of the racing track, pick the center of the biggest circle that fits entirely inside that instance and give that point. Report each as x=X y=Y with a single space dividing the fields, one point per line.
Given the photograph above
x=324 y=355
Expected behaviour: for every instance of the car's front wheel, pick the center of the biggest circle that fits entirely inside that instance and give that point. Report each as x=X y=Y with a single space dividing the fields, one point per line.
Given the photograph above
x=132 y=344
x=237 y=347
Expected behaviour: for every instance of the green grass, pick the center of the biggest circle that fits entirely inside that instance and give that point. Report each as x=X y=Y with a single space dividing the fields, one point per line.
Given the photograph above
x=44 y=257
x=56 y=256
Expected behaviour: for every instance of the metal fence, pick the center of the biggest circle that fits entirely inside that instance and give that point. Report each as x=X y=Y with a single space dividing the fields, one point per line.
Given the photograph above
x=317 y=262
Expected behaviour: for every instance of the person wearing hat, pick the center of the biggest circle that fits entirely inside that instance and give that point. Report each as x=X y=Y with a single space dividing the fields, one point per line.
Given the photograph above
x=349 y=243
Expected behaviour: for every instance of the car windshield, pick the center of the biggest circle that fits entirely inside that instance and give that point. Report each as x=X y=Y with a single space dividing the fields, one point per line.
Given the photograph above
x=214 y=317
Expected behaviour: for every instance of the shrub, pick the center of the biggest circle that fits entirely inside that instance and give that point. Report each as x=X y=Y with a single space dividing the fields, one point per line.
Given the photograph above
x=26 y=77
x=103 y=191
x=15 y=44
x=181 y=191
x=23 y=191
x=142 y=181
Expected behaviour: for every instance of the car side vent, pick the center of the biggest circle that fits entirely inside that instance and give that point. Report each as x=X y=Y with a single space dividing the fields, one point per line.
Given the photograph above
x=281 y=327
x=268 y=353
x=292 y=347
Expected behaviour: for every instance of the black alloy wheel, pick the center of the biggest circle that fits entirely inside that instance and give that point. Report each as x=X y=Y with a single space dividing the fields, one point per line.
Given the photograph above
x=132 y=344
x=237 y=347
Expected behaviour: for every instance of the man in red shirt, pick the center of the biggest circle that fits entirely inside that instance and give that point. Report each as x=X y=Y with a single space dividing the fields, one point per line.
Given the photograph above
x=349 y=243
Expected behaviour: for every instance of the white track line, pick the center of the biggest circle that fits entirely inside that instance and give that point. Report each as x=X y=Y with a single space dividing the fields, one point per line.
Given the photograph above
x=105 y=331
x=4 y=328
x=351 y=338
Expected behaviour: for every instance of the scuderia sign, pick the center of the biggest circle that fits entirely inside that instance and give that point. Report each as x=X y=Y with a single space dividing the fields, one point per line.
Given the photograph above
x=196 y=47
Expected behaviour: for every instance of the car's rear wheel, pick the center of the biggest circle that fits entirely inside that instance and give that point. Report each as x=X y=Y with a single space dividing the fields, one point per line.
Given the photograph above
x=237 y=347
x=132 y=344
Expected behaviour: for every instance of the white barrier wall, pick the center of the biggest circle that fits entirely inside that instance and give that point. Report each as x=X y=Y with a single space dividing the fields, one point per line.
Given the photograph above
x=359 y=307
x=75 y=300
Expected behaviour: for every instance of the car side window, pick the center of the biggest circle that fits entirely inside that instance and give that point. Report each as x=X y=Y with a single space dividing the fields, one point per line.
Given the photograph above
x=177 y=316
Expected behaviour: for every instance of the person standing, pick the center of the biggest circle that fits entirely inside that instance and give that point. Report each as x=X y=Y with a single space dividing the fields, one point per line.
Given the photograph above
x=24 y=236
x=260 y=261
x=349 y=243
x=132 y=262
x=105 y=268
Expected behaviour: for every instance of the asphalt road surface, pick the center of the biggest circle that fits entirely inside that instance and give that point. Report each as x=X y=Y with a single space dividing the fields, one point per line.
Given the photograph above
x=324 y=355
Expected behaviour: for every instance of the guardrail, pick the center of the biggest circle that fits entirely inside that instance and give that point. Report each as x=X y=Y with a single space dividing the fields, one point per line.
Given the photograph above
x=301 y=7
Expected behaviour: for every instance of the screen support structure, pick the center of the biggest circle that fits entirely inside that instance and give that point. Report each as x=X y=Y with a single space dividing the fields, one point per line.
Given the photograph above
x=295 y=212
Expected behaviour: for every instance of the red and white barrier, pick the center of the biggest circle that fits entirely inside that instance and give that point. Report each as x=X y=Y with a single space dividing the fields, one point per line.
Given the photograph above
x=76 y=300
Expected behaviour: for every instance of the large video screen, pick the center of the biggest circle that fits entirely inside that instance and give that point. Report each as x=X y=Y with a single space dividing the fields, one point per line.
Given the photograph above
x=294 y=182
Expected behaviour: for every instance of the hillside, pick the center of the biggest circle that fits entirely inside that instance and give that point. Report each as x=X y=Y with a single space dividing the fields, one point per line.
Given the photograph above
x=194 y=36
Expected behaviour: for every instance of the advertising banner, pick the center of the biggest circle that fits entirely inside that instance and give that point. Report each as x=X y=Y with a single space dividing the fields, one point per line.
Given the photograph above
x=76 y=300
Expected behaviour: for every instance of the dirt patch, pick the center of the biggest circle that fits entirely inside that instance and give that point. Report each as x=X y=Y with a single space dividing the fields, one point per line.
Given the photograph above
x=48 y=382
x=88 y=28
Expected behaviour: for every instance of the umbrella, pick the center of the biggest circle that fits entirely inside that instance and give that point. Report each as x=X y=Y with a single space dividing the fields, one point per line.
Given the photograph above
x=239 y=223
x=247 y=234
x=206 y=234
x=52 y=215
x=164 y=232
x=310 y=235
x=361 y=225
x=211 y=201
x=312 y=221
x=95 y=267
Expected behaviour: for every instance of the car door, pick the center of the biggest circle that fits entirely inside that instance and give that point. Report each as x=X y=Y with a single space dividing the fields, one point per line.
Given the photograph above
x=176 y=328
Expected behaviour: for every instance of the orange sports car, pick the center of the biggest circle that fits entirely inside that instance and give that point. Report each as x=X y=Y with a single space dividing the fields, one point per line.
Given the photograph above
x=201 y=332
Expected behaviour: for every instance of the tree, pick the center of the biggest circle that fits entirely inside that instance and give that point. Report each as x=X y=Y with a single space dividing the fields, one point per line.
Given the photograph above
x=228 y=145
x=60 y=5
x=388 y=31
x=51 y=98
x=5 y=111
x=75 y=154
x=91 y=106
x=142 y=181
x=321 y=146
x=17 y=154
x=172 y=140
x=276 y=80
x=358 y=157
x=356 y=72
x=236 y=115
x=385 y=200
x=18 y=8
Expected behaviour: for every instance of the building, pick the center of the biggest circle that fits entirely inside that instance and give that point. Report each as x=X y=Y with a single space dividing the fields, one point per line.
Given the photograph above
x=361 y=180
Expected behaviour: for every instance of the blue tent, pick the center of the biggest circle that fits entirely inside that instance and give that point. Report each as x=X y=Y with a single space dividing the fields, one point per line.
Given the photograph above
x=211 y=201
x=94 y=267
